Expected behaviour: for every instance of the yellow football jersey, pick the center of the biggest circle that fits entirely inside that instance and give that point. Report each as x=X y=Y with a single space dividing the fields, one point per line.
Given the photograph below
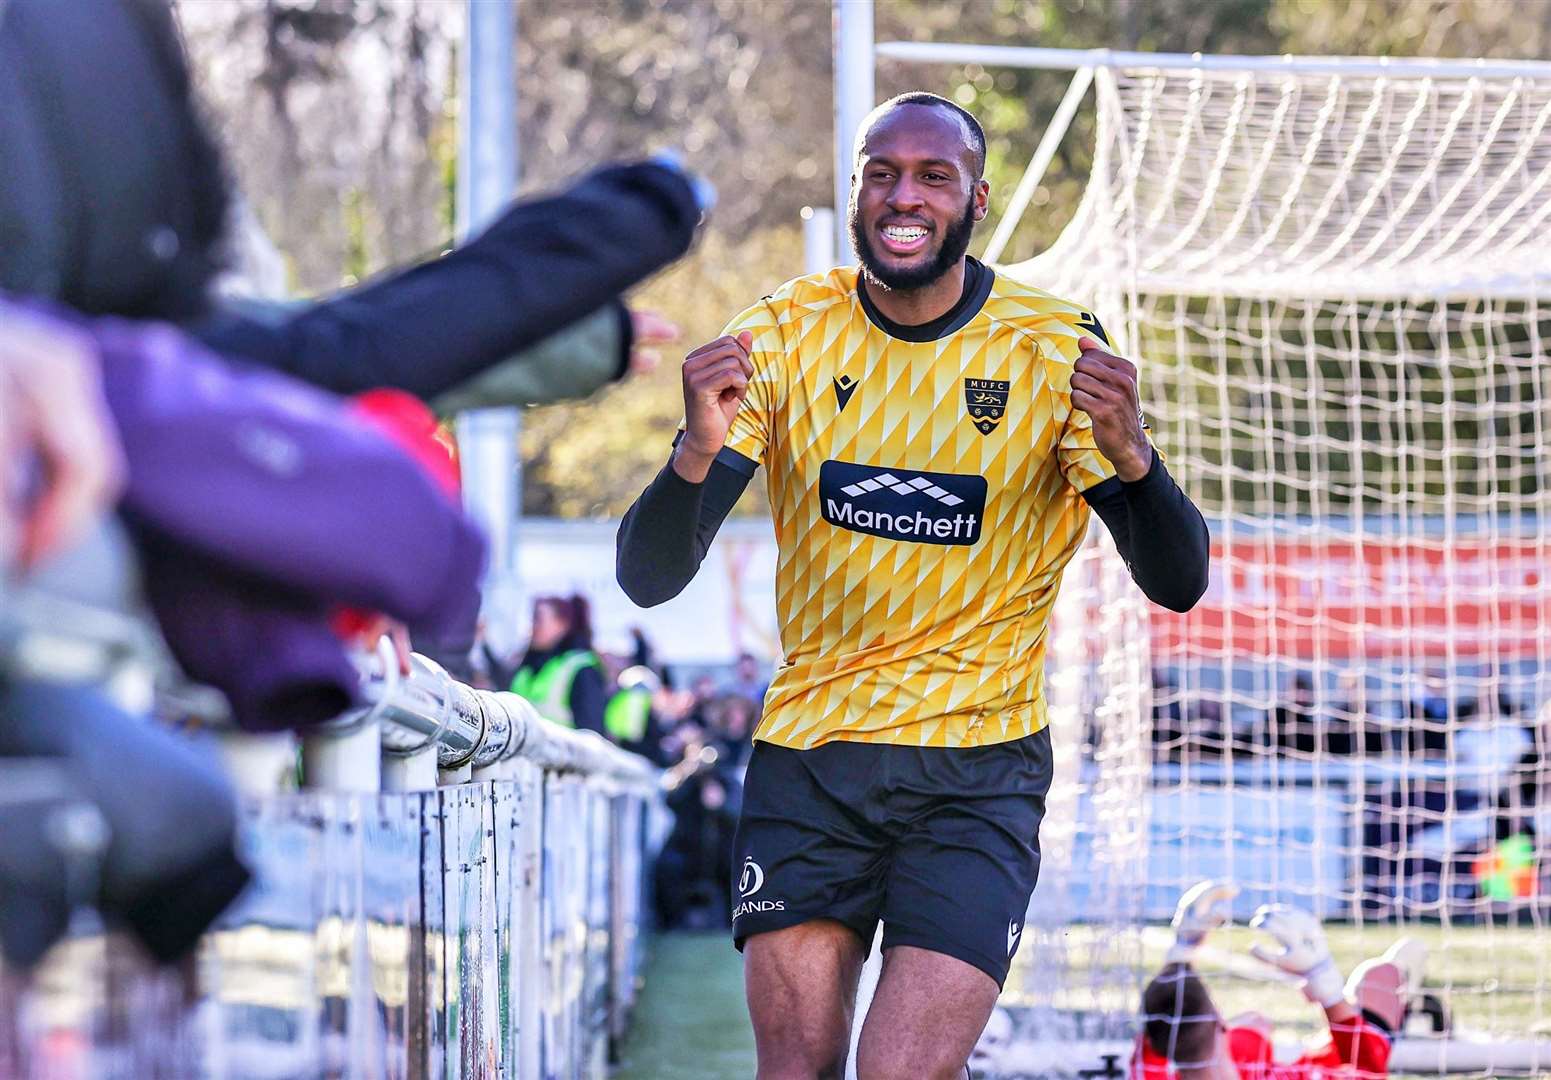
x=925 y=501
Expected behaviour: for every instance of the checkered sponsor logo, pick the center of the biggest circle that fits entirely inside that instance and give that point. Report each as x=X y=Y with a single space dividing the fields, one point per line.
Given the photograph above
x=903 y=504
x=903 y=487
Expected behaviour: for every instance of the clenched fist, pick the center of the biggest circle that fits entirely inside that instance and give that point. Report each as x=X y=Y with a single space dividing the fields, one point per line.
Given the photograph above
x=716 y=379
x=1104 y=387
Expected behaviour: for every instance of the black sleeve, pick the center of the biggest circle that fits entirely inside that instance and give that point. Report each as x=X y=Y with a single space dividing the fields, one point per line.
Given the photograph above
x=667 y=531
x=587 y=700
x=1160 y=534
x=543 y=265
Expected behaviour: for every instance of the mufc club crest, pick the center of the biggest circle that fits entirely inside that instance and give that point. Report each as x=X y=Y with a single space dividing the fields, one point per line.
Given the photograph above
x=986 y=400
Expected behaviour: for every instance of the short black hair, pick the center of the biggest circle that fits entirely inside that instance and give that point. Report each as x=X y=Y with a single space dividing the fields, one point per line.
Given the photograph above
x=1179 y=1017
x=977 y=135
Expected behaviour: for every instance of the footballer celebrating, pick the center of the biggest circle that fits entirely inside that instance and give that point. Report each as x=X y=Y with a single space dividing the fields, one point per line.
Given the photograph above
x=934 y=436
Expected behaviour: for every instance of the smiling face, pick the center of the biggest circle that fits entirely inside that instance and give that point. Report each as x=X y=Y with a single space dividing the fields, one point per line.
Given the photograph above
x=915 y=196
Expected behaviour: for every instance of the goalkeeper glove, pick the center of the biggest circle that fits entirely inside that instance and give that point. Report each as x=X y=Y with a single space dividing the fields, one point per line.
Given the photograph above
x=1202 y=909
x=1303 y=952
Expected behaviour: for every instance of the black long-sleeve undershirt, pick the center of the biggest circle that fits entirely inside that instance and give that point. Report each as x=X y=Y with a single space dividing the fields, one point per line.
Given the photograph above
x=1159 y=533
x=667 y=531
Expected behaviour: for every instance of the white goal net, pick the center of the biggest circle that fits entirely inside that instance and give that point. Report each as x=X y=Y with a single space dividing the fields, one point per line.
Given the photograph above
x=1336 y=277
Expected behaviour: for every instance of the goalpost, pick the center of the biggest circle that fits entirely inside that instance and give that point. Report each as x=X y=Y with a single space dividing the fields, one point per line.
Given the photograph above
x=1333 y=273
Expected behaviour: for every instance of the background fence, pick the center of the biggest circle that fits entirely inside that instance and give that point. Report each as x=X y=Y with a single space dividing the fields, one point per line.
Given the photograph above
x=484 y=928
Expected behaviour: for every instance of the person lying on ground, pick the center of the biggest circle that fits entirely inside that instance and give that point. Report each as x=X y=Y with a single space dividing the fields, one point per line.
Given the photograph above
x=1185 y=1036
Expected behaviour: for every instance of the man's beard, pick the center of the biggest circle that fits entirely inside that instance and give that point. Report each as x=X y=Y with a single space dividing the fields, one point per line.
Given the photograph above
x=955 y=243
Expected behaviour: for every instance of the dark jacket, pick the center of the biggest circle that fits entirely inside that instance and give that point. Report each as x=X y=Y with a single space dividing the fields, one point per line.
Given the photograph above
x=543 y=265
x=170 y=865
x=112 y=198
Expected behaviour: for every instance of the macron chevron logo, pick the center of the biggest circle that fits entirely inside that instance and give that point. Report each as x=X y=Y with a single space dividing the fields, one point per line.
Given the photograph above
x=902 y=487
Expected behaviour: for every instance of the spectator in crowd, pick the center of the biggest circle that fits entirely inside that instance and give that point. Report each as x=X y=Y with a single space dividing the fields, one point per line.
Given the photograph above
x=560 y=673
x=113 y=200
x=704 y=744
x=693 y=872
x=446 y=331
x=1524 y=800
x=62 y=467
x=733 y=717
x=1183 y=1034
x=1433 y=715
x=1168 y=725
x=61 y=471
x=702 y=690
x=748 y=679
x=1206 y=726
x=1347 y=731
x=1294 y=726
x=488 y=668
x=149 y=242
x=642 y=652
x=630 y=718
x=675 y=716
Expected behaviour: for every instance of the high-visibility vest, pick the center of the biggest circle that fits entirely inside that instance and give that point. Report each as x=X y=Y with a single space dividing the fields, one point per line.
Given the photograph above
x=627 y=713
x=549 y=688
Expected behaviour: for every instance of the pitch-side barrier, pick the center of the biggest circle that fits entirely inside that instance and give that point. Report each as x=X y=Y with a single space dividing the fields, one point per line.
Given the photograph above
x=485 y=925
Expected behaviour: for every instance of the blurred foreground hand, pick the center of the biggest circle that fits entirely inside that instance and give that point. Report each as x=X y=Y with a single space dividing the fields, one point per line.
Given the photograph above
x=61 y=467
x=648 y=329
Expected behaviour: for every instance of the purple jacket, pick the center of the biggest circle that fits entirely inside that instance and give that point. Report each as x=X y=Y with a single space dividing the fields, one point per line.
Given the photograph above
x=260 y=505
x=279 y=664
x=271 y=479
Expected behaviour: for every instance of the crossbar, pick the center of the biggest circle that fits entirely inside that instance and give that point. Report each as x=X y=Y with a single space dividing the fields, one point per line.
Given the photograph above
x=931 y=52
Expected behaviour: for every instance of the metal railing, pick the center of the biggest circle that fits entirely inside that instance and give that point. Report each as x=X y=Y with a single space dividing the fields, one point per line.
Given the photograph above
x=487 y=925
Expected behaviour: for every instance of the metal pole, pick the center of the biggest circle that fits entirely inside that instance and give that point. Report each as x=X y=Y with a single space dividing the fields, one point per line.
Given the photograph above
x=410 y=772
x=1054 y=132
x=854 y=99
x=260 y=765
x=818 y=239
x=855 y=95
x=528 y=946
x=349 y=760
x=487 y=178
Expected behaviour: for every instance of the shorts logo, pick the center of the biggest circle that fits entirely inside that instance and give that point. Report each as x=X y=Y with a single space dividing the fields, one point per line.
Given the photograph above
x=1013 y=930
x=986 y=400
x=903 y=504
x=752 y=879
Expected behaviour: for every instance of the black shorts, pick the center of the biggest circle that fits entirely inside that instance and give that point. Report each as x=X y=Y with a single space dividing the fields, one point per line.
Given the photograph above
x=941 y=844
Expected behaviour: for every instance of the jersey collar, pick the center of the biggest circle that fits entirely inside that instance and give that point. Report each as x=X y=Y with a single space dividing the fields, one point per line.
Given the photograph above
x=978 y=279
